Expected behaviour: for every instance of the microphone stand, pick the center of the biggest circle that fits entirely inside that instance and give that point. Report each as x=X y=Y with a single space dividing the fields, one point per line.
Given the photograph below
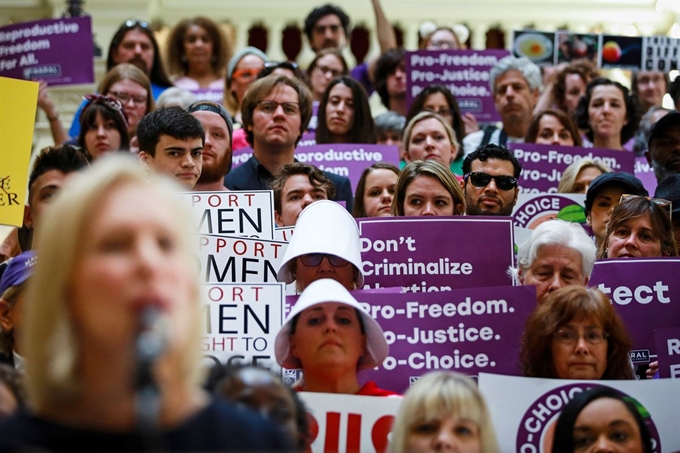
x=149 y=346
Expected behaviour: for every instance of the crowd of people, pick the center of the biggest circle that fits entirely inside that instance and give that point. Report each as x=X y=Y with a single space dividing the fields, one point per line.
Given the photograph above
x=99 y=297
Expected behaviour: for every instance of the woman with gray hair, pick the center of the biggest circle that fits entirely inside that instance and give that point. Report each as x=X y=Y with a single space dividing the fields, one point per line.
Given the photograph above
x=112 y=327
x=557 y=254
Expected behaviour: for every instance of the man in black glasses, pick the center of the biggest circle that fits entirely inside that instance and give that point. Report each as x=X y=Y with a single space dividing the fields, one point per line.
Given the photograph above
x=275 y=112
x=490 y=181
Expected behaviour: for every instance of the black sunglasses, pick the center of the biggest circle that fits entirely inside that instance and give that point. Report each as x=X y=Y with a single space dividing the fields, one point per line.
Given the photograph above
x=480 y=179
x=314 y=259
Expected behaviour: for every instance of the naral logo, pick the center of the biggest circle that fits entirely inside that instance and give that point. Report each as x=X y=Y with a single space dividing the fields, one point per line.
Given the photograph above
x=537 y=427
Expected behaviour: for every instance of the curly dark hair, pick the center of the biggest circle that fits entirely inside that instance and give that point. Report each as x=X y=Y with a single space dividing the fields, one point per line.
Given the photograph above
x=323 y=11
x=492 y=151
x=177 y=63
x=585 y=69
x=387 y=63
x=317 y=178
x=570 y=303
x=632 y=112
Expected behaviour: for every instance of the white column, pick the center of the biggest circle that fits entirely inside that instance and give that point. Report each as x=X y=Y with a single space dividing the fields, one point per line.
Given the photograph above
x=275 y=40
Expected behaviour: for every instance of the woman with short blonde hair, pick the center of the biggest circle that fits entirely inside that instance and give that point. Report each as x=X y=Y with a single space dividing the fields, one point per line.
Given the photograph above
x=437 y=399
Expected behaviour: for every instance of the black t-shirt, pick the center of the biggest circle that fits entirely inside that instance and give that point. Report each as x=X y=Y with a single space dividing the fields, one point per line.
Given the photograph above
x=218 y=427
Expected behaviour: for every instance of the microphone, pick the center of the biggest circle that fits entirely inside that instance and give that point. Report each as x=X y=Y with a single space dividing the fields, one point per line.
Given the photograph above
x=152 y=336
x=151 y=341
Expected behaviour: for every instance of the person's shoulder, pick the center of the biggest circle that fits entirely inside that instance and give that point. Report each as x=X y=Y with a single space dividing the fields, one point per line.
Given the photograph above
x=237 y=177
x=221 y=426
x=472 y=141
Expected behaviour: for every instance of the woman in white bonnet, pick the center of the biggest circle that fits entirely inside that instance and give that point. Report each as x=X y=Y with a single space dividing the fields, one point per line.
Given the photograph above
x=325 y=245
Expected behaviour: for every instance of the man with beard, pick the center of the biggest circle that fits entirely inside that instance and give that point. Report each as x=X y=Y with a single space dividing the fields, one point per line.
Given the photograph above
x=218 y=127
x=276 y=111
x=490 y=177
x=664 y=146
x=516 y=85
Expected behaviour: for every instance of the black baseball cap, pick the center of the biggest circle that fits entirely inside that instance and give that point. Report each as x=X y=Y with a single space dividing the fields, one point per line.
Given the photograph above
x=671 y=119
x=669 y=189
x=630 y=182
x=214 y=107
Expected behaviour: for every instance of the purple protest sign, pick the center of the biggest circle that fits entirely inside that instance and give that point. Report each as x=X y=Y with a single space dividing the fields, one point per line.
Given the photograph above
x=533 y=209
x=314 y=120
x=465 y=330
x=645 y=293
x=347 y=159
x=668 y=352
x=464 y=72
x=241 y=155
x=59 y=51
x=645 y=173
x=206 y=94
x=542 y=165
x=423 y=254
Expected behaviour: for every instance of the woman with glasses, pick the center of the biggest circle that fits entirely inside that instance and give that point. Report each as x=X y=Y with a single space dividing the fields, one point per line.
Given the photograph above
x=639 y=227
x=427 y=188
x=344 y=115
x=325 y=245
x=197 y=54
x=608 y=114
x=553 y=127
x=103 y=127
x=327 y=65
x=242 y=71
x=438 y=99
x=128 y=84
x=576 y=334
x=331 y=337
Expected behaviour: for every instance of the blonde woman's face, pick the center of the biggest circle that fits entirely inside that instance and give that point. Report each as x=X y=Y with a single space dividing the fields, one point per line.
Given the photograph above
x=132 y=257
x=444 y=434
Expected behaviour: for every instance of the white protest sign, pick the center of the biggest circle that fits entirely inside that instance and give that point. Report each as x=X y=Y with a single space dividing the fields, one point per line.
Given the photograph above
x=241 y=322
x=350 y=423
x=233 y=213
x=524 y=410
x=283 y=234
x=229 y=259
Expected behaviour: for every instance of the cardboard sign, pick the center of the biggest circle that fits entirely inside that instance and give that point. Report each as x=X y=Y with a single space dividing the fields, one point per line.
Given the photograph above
x=668 y=351
x=57 y=50
x=464 y=72
x=463 y=330
x=230 y=259
x=533 y=209
x=349 y=423
x=234 y=213
x=542 y=165
x=423 y=254
x=645 y=294
x=241 y=322
x=524 y=410
x=16 y=133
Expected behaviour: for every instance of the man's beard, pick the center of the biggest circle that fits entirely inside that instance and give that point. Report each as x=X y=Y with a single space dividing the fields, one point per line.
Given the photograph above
x=476 y=209
x=216 y=171
x=662 y=171
x=140 y=63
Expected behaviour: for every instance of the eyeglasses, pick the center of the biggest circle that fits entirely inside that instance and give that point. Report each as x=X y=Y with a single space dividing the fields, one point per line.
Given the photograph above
x=326 y=70
x=269 y=107
x=481 y=179
x=314 y=259
x=442 y=44
x=245 y=74
x=570 y=337
x=666 y=205
x=125 y=98
x=441 y=112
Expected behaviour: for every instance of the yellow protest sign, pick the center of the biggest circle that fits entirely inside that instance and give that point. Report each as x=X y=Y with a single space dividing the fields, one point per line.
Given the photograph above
x=18 y=100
